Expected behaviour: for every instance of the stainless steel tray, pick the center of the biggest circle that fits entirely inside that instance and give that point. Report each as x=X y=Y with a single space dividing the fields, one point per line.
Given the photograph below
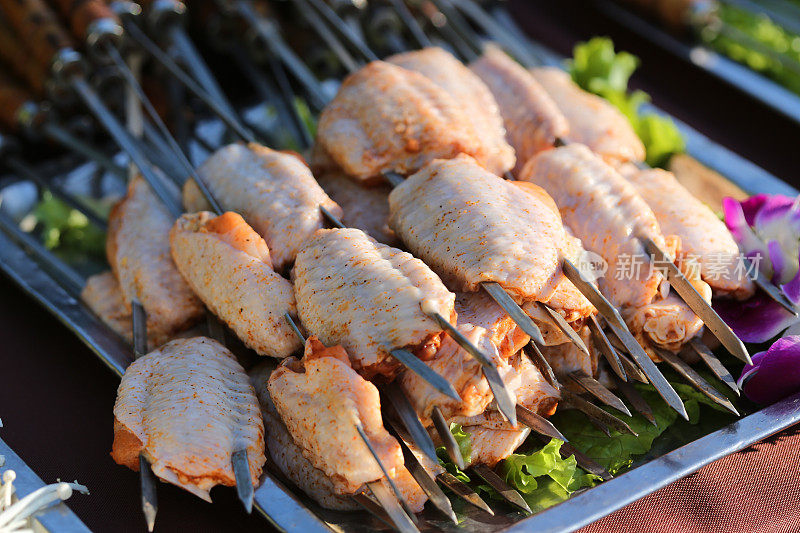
x=57 y=519
x=292 y=511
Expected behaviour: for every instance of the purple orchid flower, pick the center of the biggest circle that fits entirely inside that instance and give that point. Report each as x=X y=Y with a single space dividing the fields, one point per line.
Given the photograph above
x=774 y=374
x=767 y=227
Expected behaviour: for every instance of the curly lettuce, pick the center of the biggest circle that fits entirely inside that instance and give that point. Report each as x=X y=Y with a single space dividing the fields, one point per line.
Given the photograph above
x=542 y=476
x=597 y=68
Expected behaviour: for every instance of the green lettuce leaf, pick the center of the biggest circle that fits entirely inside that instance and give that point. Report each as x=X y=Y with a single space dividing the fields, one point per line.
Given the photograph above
x=542 y=476
x=462 y=438
x=597 y=68
x=66 y=229
x=617 y=452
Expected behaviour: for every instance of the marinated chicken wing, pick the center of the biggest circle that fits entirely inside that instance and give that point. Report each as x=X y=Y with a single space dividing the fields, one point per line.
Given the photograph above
x=288 y=456
x=366 y=296
x=606 y=213
x=475 y=98
x=365 y=208
x=187 y=407
x=274 y=192
x=593 y=121
x=321 y=399
x=104 y=297
x=471 y=226
x=385 y=117
x=488 y=327
x=704 y=236
x=566 y=357
x=137 y=247
x=490 y=446
x=462 y=371
x=479 y=309
x=530 y=389
x=533 y=121
x=666 y=322
x=228 y=266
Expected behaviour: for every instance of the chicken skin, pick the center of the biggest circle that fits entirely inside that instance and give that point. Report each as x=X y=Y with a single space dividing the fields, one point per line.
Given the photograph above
x=137 y=247
x=187 y=407
x=228 y=266
x=465 y=87
x=368 y=297
x=274 y=191
x=532 y=119
x=387 y=118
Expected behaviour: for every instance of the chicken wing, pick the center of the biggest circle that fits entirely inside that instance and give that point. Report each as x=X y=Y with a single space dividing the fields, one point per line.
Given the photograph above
x=228 y=266
x=288 y=456
x=137 y=247
x=606 y=213
x=529 y=387
x=566 y=357
x=385 y=117
x=366 y=296
x=704 y=236
x=489 y=446
x=365 y=208
x=321 y=399
x=104 y=297
x=487 y=326
x=475 y=98
x=471 y=226
x=274 y=192
x=187 y=407
x=533 y=121
x=593 y=121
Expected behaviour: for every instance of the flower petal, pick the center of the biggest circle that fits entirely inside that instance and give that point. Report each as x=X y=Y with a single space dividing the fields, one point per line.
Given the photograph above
x=792 y=289
x=749 y=243
x=778 y=374
x=750 y=206
x=778 y=260
x=758 y=319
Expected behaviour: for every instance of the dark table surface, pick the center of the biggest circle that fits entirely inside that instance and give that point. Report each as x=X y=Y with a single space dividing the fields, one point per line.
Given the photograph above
x=56 y=398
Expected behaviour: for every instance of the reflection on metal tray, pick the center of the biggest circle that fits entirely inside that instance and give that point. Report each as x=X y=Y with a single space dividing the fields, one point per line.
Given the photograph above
x=289 y=511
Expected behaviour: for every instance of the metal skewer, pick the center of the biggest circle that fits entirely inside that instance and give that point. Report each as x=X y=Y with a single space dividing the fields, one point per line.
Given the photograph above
x=269 y=38
x=601 y=393
x=422 y=477
x=606 y=348
x=617 y=324
x=413 y=426
x=696 y=379
x=449 y=441
x=505 y=404
x=633 y=396
x=563 y=325
x=714 y=365
x=538 y=423
x=154 y=51
x=571 y=400
x=696 y=302
x=146 y=476
x=508 y=494
x=409 y=514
